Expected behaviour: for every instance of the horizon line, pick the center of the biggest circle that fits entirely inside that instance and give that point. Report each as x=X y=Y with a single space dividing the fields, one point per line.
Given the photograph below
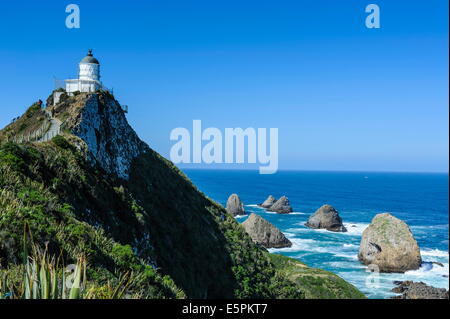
x=317 y=170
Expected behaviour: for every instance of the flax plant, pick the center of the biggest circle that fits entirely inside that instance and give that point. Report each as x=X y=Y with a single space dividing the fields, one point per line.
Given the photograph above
x=44 y=277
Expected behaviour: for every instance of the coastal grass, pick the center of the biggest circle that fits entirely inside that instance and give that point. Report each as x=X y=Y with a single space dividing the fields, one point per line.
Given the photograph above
x=43 y=276
x=316 y=283
x=35 y=184
x=28 y=123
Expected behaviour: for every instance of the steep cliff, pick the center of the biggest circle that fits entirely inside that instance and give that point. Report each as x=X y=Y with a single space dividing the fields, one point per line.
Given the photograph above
x=97 y=189
x=98 y=120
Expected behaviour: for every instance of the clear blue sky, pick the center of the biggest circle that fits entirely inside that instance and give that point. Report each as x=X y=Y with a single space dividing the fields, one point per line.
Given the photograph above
x=344 y=97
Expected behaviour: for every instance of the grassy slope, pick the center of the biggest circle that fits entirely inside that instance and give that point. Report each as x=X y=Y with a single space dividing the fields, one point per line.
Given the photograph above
x=316 y=283
x=196 y=242
x=30 y=121
x=35 y=184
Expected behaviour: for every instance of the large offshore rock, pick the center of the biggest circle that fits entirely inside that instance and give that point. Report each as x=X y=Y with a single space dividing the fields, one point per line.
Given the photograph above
x=235 y=206
x=388 y=243
x=281 y=206
x=326 y=217
x=264 y=233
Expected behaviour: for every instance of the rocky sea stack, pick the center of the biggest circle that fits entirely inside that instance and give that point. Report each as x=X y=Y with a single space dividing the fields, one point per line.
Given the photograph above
x=281 y=206
x=388 y=243
x=268 y=202
x=235 y=206
x=326 y=217
x=264 y=233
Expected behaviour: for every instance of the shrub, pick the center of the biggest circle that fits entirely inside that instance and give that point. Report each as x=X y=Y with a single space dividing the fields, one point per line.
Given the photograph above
x=60 y=141
x=11 y=160
x=23 y=127
x=31 y=196
x=32 y=110
x=12 y=155
x=124 y=255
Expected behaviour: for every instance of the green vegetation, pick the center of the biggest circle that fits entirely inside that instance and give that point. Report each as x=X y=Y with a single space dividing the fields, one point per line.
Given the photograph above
x=60 y=141
x=44 y=277
x=32 y=110
x=51 y=188
x=28 y=196
x=316 y=283
x=196 y=242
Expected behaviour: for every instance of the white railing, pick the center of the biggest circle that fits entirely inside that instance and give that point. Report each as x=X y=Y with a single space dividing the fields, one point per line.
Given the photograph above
x=49 y=135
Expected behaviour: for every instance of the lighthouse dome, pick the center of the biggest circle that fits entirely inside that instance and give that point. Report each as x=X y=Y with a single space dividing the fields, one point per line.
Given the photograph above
x=89 y=68
x=89 y=58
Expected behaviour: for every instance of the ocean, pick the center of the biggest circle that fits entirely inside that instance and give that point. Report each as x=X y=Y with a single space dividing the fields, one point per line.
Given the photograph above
x=419 y=199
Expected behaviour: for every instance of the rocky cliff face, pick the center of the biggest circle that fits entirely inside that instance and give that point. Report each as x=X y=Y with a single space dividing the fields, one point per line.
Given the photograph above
x=98 y=120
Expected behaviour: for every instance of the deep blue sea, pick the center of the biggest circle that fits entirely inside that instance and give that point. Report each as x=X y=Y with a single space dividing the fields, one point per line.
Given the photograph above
x=420 y=199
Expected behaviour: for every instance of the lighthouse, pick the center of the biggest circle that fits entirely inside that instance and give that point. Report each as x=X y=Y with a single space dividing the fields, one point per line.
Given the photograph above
x=88 y=76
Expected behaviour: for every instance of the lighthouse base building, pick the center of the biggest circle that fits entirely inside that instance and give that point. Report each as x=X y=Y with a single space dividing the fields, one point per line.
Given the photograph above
x=81 y=86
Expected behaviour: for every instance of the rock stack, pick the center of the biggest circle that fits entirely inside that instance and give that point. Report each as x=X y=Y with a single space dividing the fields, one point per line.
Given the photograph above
x=268 y=202
x=281 y=206
x=235 y=206
x=388 y=243
x=264 y=233
x=326 y=217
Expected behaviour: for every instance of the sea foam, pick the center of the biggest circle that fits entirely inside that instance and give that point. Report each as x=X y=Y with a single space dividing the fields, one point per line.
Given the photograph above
x=434 y=253
x=355 y=229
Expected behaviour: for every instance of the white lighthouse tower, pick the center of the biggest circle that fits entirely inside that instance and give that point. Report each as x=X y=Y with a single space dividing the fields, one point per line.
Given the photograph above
x=88 y=76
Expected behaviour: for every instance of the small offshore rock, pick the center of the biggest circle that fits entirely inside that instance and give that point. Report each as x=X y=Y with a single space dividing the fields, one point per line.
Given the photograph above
x=437 y=263
x=235 y=206
x=268 y=202
x=281 y=206
x=418 y=290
